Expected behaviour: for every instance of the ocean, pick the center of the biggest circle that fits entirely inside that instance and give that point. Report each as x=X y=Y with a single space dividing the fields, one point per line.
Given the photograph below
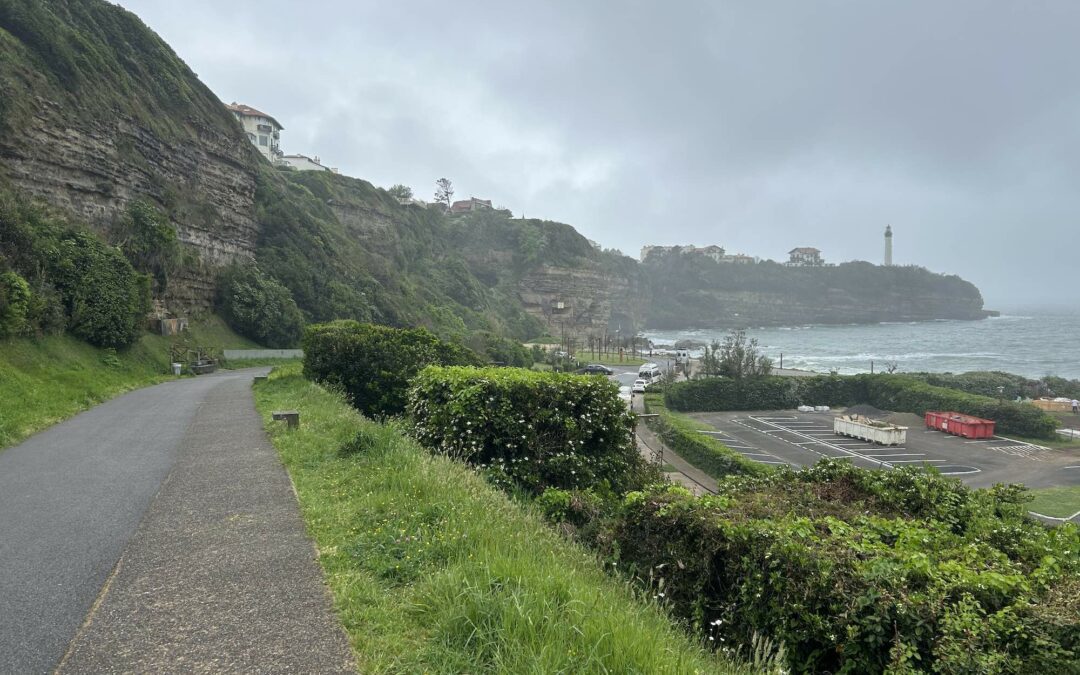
x=1030 y=343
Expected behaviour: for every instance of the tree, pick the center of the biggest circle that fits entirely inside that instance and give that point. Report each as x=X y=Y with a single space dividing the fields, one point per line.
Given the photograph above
x=739 y=358
x=148 y=240
x=444 y=192
x=400 y=191
x=258 y=307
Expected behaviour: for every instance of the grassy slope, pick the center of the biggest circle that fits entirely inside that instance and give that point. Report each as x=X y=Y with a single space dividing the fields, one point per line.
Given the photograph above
x=433 y=570
x=1059 y=502
x=45 y=381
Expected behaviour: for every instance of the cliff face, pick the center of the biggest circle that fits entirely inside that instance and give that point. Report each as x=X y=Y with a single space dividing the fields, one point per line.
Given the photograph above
x=580 y=300
x=94 y=168
x=90 y=134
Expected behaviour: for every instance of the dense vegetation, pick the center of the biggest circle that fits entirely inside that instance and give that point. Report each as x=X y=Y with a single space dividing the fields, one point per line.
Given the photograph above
x=258 y=307
x=863 y=571
x=56 y=274
x=373 y=365
x=530 y=430
x=696 y=290
x=100 y=61
x=899 y=393
x=434 y=571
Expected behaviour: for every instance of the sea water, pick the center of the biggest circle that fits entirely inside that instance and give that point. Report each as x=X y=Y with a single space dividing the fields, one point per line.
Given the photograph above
x=1031 y=343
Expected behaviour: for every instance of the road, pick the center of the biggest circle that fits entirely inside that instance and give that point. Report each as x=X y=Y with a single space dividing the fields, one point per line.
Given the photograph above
x=105 y=487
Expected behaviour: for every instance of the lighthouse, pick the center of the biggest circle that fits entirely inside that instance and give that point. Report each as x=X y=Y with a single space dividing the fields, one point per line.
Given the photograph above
x=888 y=245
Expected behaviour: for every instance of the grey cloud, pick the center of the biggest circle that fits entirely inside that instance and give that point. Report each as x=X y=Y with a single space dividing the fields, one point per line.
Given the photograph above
x=759 y=126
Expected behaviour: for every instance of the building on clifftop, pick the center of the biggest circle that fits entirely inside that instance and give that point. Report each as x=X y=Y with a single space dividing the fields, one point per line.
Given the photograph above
x=805 y=256
x=305 y=163
x=470 y=204
x=262 y=130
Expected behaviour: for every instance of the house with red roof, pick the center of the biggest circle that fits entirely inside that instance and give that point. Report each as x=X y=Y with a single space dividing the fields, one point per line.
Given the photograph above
x=262 y=130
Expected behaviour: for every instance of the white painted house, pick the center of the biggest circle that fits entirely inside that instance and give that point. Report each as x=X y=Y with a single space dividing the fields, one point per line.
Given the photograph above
x=305 y=163
x=262 y=130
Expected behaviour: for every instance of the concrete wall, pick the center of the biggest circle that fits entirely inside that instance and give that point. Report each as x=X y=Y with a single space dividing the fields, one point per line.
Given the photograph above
x=241 y=354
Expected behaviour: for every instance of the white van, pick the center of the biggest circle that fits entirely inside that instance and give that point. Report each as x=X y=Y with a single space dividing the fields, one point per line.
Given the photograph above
x=650 y=372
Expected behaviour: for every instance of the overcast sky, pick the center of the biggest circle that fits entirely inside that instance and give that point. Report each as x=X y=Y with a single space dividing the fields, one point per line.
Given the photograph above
x=759 y=126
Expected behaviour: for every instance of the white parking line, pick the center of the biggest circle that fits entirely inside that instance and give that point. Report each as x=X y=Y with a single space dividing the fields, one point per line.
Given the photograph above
x=834 y=447
x=924 y=461
x=903 y=454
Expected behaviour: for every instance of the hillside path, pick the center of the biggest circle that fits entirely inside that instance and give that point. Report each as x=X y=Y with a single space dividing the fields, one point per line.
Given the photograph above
x=159 y=532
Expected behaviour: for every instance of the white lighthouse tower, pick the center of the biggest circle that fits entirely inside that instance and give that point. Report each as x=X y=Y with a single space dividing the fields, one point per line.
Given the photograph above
x=888 y=246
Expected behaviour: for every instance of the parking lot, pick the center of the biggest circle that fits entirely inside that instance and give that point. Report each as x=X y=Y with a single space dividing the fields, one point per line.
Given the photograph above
x=801 y=439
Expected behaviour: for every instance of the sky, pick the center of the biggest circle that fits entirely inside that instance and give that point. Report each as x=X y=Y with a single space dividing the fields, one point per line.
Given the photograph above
x=756 y=125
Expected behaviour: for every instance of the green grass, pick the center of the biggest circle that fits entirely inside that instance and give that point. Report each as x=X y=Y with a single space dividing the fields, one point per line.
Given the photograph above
x=433 y=570
x=46 y=381
x=607 y=359
x=1059 y=502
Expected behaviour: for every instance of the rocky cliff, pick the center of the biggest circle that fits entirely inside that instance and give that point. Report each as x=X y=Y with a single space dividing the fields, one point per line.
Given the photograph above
x=98 y=111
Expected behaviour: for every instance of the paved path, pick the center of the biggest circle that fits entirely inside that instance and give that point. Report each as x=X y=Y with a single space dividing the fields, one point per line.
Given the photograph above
x=159 y=533
x=686 y=474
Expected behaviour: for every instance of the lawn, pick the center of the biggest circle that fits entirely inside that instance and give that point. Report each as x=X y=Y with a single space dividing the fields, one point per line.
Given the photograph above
x=433 y=570
x=1059 y=502
x=608 y=358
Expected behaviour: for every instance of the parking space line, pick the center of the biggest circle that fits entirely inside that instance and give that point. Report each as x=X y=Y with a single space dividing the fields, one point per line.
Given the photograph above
x=834 y=447
x=924 y=461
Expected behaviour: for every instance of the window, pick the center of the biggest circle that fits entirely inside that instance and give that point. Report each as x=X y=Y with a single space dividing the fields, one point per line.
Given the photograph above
x=263 y=140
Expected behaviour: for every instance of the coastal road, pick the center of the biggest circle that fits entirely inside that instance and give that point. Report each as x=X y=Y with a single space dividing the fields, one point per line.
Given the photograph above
x=81 y=497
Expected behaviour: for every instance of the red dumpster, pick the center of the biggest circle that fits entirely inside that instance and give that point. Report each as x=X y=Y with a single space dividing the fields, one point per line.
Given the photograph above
x=960 y=425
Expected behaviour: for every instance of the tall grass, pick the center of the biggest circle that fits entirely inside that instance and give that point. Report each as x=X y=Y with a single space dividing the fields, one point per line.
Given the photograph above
x=45 y=381
x=433 y=570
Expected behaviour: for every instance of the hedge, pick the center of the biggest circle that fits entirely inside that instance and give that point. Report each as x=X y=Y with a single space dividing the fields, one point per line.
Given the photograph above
x=759 y=393
x=530 y=430
x=896 y=392
x=860 y=571
x=899 y=393
x=707 y=454
x=374 y=364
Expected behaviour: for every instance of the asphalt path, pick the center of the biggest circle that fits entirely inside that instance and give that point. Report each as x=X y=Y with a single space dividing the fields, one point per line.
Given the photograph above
x=72 y=499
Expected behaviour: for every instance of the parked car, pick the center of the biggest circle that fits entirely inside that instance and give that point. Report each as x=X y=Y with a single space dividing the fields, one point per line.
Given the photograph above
x=597 y=369
x=639 y=386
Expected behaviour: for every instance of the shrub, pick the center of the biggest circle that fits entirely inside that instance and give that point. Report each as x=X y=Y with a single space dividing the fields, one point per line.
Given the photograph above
x=707 y=454
x=899 y=393
x=257 y=306
x=15 y=300
x=374 y=364
x=532 y=430
x=149 y=241
x=104 y=297
x=759 y=393
x=863 y=571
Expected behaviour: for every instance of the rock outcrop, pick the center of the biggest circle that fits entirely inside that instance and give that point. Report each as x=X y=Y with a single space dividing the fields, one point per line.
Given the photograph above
x=93 y=168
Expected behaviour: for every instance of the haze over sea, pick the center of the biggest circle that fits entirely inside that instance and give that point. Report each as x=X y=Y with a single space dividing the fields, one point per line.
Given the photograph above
x=1027 y=342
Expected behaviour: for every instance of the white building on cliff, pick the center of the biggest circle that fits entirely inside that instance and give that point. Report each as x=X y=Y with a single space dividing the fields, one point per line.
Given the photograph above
x=262 y=130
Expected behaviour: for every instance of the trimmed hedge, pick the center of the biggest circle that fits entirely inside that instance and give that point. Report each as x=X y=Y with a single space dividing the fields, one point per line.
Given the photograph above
x=759 y=393
x=530 y=430
x=374 y=364
x=896 y=392
x=707 y=454
x=899 y=393
x=860 y=571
